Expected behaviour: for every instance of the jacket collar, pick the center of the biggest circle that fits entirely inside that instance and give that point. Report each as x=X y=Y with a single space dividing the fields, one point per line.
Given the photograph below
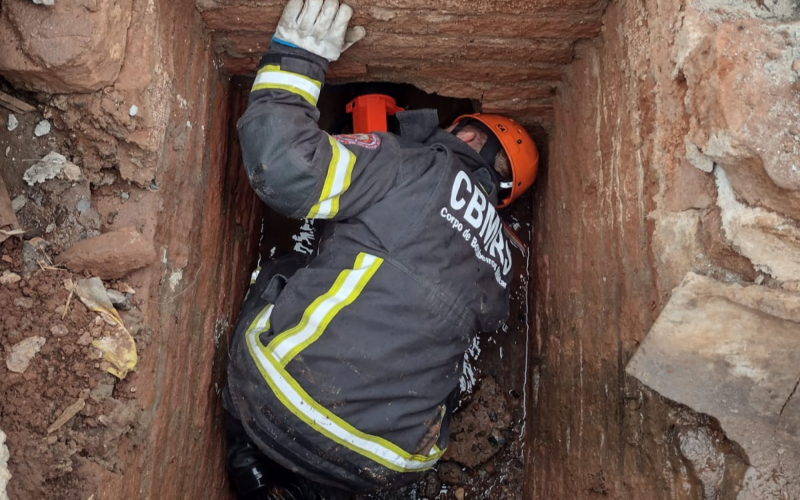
x=422 y=126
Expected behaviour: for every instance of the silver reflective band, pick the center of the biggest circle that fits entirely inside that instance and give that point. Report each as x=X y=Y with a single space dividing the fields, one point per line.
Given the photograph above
x=272 y=77
x=506 y=185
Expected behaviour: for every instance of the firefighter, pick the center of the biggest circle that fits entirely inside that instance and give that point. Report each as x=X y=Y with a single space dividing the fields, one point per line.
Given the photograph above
x=343 y=369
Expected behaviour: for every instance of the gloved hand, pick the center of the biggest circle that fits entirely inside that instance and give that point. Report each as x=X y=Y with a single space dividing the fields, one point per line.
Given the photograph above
x=318 y=27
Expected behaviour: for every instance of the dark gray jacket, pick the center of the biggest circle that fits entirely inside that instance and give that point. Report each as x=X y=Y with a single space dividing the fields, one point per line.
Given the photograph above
x=343 y=371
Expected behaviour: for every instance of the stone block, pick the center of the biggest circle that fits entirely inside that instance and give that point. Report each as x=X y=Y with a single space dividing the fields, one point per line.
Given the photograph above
x=769 y=240
x=110 y=255
x=379 y=46
x=73 y=46
x=743 y=101
x=677 y=244
x=687 y=188
x=567 y=25
x=731 y=351
x=464 y=71
x=377 y=20
x=720 y=253
x=486 y=7
x=104 y=130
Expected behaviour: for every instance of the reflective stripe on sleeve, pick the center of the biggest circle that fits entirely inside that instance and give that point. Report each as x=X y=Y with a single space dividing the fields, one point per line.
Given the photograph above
x=319 y=314
x=337 y=181
x=273 y=77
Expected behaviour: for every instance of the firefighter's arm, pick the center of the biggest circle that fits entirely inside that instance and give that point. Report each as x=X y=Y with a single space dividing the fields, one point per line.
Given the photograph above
x=297 y=169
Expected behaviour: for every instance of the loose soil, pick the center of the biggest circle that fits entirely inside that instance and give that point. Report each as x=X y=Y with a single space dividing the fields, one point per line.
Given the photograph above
x=61 y=464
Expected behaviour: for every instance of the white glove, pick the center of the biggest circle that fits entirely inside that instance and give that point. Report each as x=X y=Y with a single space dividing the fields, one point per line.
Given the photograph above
x=319 y=27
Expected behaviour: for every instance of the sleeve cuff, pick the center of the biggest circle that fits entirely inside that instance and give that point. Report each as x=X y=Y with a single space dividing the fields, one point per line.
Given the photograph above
x=295 y=59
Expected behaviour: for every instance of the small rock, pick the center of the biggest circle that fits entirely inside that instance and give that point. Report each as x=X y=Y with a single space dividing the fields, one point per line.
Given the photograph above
x=460 y=493
x=795 y=68
x=43 y=2
x=42 y=128
x=111 y=255
x=23 y=302
x=125 y=196
x=103 y=389
x=119 y=299
x=72 y=172
x=433 y=486
x=102 y=178
x=13 y=123
x=50 y=167
x=5 y=476
x=479 y=430
x=134 y=110
x=451 y=473
x=85 y=339
x=59 y=331
x=7 y=259
x=18 y=202
x=83 y=206
x=23 y=352
x=489 y=468
x=9 y=278
x=33 y=252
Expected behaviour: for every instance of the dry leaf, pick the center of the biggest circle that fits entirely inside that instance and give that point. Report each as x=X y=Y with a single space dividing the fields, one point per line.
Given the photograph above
x=118 y=347
x=8 y=219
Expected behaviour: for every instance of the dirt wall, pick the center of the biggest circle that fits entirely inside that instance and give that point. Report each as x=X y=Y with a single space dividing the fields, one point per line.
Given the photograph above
x=206 y=226
x=507 y=54
x=627 y=206
x=153 y=144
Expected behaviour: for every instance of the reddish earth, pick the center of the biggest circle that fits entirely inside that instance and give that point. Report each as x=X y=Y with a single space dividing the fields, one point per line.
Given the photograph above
x=67 y=462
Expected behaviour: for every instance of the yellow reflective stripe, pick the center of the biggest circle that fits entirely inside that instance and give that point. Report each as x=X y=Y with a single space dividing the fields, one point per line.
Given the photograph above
x=318 y=315
x=273 y=77
x=296 y=400
x=260 y=324
x=337 y=181
x=277 y=69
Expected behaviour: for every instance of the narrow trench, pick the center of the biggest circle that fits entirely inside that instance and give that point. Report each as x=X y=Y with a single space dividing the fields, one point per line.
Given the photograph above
x=499 y=357
x=623 y=99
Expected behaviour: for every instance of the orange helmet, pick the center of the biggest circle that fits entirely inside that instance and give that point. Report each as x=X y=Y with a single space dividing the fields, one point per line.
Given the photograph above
x=521 y=151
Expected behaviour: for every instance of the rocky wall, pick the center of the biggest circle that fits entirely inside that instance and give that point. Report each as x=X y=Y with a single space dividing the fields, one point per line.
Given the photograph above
x=673 y=151
x=506 y=54
x=153 y=137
